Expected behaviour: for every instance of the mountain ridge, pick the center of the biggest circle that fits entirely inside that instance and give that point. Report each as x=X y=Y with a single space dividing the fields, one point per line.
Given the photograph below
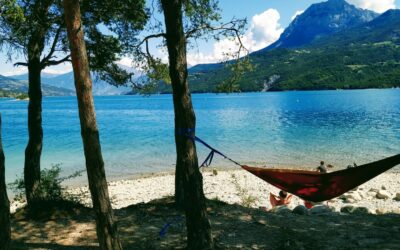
x=321 y=19
x=364 y=56
x=66 y=81
x=9 y=84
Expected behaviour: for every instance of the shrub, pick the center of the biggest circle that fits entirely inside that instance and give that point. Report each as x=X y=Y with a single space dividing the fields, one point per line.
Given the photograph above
x=247 y=200
x=50 y=188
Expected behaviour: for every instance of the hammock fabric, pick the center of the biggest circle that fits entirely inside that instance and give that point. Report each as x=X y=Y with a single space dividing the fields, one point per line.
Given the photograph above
x=315 y=186
x=309 y=185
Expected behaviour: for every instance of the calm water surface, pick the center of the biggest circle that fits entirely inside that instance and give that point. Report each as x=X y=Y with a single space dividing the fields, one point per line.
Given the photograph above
x=283 y=128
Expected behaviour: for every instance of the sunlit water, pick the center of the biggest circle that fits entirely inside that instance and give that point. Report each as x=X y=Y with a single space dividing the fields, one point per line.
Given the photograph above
x=280 y=128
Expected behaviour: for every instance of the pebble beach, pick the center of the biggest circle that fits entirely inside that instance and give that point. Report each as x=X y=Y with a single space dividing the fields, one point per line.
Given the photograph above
x=379 y=195
x=364 y=218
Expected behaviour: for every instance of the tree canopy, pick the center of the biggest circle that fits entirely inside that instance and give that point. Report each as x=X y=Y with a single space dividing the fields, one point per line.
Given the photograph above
x=110 y=26
x=201 y=21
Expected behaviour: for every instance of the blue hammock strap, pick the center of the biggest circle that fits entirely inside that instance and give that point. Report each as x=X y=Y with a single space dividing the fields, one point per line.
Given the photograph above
x=163 y=232
x=208 y=160
x=190 y=132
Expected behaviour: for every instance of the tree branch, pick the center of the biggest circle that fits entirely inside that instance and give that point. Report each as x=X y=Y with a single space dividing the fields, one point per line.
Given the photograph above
x=20 y=64
x=147 y=38
x=56 y=62
x=53 y=47
x=147 y=55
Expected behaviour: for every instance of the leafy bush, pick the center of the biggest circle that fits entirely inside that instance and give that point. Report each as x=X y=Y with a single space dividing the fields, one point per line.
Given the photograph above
x=247 y=200
x=50 y=188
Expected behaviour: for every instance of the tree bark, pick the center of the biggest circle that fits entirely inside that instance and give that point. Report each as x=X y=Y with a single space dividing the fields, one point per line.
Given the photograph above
x=189 y=181
x=107 y=232
x=33 y=150
x=5 y=228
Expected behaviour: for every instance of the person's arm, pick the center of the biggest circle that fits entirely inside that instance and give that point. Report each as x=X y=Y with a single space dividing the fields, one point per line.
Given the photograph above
x=271 y=194
x=288 y=199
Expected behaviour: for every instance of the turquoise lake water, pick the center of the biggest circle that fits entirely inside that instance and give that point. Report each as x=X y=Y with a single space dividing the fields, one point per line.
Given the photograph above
x=278 y=128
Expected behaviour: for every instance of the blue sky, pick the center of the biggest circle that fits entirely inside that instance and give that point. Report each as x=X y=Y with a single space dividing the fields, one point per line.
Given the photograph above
x=266 y=20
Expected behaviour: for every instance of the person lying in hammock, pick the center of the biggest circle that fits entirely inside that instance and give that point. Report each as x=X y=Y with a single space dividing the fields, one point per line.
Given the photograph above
x=322 y=168
x=282 y=199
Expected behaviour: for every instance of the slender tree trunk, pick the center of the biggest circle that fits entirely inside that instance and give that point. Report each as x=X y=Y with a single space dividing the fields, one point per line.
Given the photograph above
x=107 y=232
x=188 y=177
x=33 y=150
x=5 y=229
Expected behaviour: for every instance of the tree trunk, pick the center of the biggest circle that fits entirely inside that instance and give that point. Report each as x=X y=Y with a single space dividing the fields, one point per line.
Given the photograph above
x=189 y=181
x=107 y=232
x=33 y=150
x=5 y=229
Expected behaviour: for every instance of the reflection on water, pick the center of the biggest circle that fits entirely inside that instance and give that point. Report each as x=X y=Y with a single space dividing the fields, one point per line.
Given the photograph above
x=282 y=128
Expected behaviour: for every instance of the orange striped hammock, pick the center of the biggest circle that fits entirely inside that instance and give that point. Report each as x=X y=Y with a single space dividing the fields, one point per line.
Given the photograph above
x=315 y=186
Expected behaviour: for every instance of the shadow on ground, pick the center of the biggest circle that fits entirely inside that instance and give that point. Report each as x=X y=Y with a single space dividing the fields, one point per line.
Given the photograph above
x=70 y=227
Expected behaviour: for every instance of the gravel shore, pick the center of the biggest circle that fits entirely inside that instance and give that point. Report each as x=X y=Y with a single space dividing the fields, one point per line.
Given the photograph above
x=379 y=195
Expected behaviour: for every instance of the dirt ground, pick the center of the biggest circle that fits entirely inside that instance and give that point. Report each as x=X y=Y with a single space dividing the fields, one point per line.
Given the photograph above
x=158 y=225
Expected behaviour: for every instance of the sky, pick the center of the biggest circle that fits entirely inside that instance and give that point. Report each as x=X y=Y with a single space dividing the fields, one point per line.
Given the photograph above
x=266 y=21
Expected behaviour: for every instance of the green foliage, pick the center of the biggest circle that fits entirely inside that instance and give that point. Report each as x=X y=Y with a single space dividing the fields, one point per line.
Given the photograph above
x=16 y=95
x=7 y=93
x=41 y=24
x=247 y=200
x=350 y=67
x=201 y=20
x=236 y=71
x=50 y=188
x=22 y=96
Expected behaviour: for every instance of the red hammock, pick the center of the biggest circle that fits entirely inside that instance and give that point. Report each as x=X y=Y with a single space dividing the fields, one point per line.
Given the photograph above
x=315 y=186
x=311 y=185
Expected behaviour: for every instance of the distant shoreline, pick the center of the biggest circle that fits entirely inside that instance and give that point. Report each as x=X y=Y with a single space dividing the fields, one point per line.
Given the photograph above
x=274 y=91
x=200 y=92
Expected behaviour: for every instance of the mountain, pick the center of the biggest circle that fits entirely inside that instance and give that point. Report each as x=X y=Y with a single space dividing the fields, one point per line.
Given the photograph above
x=66 y=81
x=366 y=55
x=25 y=76
x=383 y=28
x=204 y=67
x=9 y=84
x=319 y=20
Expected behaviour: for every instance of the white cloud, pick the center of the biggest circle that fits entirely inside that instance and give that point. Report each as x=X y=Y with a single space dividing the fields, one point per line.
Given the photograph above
x=375 y=5
x=55 y=70
x=16 y=71
x=126 y=61
x=264 y=30
x=59 y=69
x=299 y=12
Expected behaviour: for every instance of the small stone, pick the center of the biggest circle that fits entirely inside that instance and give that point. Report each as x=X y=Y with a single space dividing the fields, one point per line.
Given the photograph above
x=396 y=211
x=347 y=209
x=382 y=194
x=349 y=200
x=261 y=222
x=280 y=210
x=320 y=209
x=397 y=197
x=374 y=190
x=383 y=187
x=245 y=217
x=361 y=210
x=355 y=196
x=371 y=193
x=215 y=172
x=381 y=211
x=301 y=210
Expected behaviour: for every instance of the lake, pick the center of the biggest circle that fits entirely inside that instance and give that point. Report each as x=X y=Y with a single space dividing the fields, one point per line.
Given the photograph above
x=294 y=129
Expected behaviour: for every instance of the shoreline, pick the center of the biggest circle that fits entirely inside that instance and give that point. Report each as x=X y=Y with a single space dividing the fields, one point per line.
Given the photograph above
x=235 y=186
